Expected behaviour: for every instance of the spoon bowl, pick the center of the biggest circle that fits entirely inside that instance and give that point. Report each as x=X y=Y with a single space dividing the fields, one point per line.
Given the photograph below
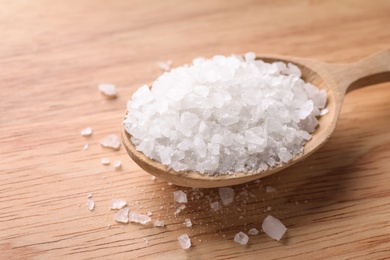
x=337 y=79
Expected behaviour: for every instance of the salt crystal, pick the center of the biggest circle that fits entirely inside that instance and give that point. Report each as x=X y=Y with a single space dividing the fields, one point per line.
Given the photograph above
x=224 y=115
x=105 y=161
x=122 y=215
x=117 y=203
x=226 y=194
x=324 y=111
x=180 y=196
x=269 y=208
x=149 y=213
x=90 y=204
x=179 y=209
x=273 y=227
x=159 y=223
x=86 y=131
x=184 y=241
x=108 y=90
x=146 y=241
x=89 y=195
x=188 y=222
x=253 y=232
x=117 y=165
x=111 y=141
x=139 y=218
x=241 y=238
x=215 y=206
x=270 y=189
x=85 y=146
x=165 y=65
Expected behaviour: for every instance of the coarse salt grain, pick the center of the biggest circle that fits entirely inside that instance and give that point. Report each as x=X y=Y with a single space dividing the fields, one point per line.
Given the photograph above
x=85 y=147
x=215 y=206
x=90 y=204
x=159 y=223
x=273 y=227
x=179 y=209
x=105 y=161
x=225 y=115
x=270 y=189
x=122 y=215
x=188 y=222
x=184 y=241
x=253 y=232
x=241 y=238
x=117 y=203
x=180 y=196
x=139 y=218
x=118 y=165
x=165 y=65
x=86 y=131
x=108 y=90
x=111 y=141
x=226 y=194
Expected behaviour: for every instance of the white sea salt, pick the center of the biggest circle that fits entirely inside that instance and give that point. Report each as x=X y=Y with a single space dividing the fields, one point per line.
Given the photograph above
x=179 y=209
x=90 y=204
x=241 y=238
x=85 y=147
x=253 y=232
x=122 y=215
x=108 y=90
x=215 y=206
x=180 y=196
x=324 y=111
x=184 y=241
x=165 y=65
x=273 y=227
x=270 y=189
x=105 y=161
x=226 y=194
x=188 y=222
x=111 y=141
x=117 y=203
x=159 y=223
x=224 y=115
x=118 y=165
x=139 y=218
x=86 y=131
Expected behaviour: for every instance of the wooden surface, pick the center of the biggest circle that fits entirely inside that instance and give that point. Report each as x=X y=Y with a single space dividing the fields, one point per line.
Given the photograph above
x=53 y=54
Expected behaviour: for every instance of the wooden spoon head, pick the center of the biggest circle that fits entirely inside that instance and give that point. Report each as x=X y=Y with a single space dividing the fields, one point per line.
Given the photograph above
x=314 y=72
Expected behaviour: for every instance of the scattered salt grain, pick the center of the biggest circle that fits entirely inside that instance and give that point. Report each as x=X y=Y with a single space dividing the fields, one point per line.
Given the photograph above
x=146 y=241
x=215 y=206
x=179 y=209
x=118 y=165
x=273 y=227
x=111 y=141
x=269 y=208
x=324 y=111
x=118 y=203
x=165 y=65
x=270 y=189
x=188 y=222
x=227 y=195
x=184 y=241
x=253 y=232
x=241 y=238
x=159 y=223
x=86 y=131
x=105 y=161
x=154 y=178
x=85 y=147
x=122 y=215
x=108 y=90
x=90 y=204
x=89 y=195
x=180 y=196
x=139 y=218
x=224 y=115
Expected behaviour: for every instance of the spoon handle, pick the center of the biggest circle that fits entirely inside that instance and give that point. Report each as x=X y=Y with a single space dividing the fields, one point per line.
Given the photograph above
x=372 y=70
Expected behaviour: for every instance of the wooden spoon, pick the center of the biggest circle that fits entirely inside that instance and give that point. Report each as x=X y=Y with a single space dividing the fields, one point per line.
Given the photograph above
x=337 y=79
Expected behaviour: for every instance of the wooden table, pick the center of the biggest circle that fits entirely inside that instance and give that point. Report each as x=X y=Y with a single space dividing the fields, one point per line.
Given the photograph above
x=53 y=55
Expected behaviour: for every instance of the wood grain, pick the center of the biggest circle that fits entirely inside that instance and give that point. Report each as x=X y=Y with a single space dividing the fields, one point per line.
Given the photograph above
x=53 y=54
